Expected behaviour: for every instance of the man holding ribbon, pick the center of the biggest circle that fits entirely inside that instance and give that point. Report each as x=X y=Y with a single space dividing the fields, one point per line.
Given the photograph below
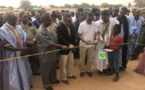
x=88 y=35
x=104 y=28
x=46 y=41
x=66 y=36
x=15 y=71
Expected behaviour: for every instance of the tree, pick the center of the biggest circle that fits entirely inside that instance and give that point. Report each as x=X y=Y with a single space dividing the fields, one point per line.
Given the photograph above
x=139 y=3
x=76 y=6
x=61 y=7
x=67 y=6
x=3 y=7
x=129 y=5
x=40 y=6
x=25 y=4
x=35 y=6
x=93 y=6
x=85 y=5
x=118 y=5
x=105 y=5
x=52 y=6
x=111 y=5
x=10 y=8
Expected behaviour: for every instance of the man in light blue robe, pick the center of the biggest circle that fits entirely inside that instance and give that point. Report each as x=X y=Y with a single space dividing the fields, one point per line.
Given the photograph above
x=2 y=43
x=133 y=13
x=1 y=57
x=15 y=72
x=1 y=76
x=135 y=29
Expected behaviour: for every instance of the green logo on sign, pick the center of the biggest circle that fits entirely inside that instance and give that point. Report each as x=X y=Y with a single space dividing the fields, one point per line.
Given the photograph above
x=102 y=55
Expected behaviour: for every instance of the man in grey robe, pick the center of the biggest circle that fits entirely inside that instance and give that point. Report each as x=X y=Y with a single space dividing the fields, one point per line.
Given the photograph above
x=46 y=41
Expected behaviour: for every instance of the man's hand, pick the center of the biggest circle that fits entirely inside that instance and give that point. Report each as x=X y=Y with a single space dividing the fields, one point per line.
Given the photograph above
x=132 y=38
x=114 y=50
x=133 y=35
x=106 y=47
x=76 y=40
x=65 y=47
x=87 y=41
x=96 y=42
x=3 y=42
x=31 y=43
x=143 y=23
x=71 y=46
x=26 y=49
x=102 y=41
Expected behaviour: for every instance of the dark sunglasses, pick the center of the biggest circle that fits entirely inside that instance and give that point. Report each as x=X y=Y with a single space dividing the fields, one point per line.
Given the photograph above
x=69 y=21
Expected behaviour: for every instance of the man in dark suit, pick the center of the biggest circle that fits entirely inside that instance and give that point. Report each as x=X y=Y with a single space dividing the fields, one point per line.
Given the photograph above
x=66 y=36
x=37 y=22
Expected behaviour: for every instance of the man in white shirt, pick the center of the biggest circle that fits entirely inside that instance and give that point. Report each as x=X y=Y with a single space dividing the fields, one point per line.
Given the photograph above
x=88 y=35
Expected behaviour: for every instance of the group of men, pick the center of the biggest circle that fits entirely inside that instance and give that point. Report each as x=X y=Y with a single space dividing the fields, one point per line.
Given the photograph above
x=42 y=32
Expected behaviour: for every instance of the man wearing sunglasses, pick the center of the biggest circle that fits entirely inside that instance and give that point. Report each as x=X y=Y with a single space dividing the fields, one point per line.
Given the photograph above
x=66 y=36
x=31 y=31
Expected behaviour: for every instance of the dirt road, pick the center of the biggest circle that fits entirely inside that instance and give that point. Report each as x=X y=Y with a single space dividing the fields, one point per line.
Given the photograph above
x=129 y=81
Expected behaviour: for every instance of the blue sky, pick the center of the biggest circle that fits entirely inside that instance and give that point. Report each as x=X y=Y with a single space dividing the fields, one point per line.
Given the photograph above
x=16 y=3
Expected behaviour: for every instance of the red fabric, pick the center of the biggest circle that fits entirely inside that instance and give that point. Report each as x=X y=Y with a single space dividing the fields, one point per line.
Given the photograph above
x=118 y=39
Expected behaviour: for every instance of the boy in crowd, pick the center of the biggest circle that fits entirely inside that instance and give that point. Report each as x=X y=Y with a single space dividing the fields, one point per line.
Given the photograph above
x=114 y=56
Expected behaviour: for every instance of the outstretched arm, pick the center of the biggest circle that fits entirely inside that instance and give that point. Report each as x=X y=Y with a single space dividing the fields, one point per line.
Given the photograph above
x=16 y=49
x=3 y=42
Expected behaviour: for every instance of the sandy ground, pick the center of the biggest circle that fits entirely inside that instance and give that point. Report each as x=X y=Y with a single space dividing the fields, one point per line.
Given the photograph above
x=129 y=80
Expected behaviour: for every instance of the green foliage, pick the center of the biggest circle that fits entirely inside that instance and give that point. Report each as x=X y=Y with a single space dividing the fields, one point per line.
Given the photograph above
x=67 y=6
x=105 y=5
x=25 y=4
x=85 y=5
x=53 y=6
x=139 y=3
x=129 y=5
x=119 y=5
x=76 y=6
x=10 y=8
x=3 y=7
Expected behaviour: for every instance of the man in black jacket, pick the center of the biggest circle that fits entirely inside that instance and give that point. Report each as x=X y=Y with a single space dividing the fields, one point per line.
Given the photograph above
x=66 y=36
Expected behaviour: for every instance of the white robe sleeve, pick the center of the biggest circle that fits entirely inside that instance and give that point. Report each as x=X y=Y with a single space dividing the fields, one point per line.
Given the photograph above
x=98 y=30
x=80 y=30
